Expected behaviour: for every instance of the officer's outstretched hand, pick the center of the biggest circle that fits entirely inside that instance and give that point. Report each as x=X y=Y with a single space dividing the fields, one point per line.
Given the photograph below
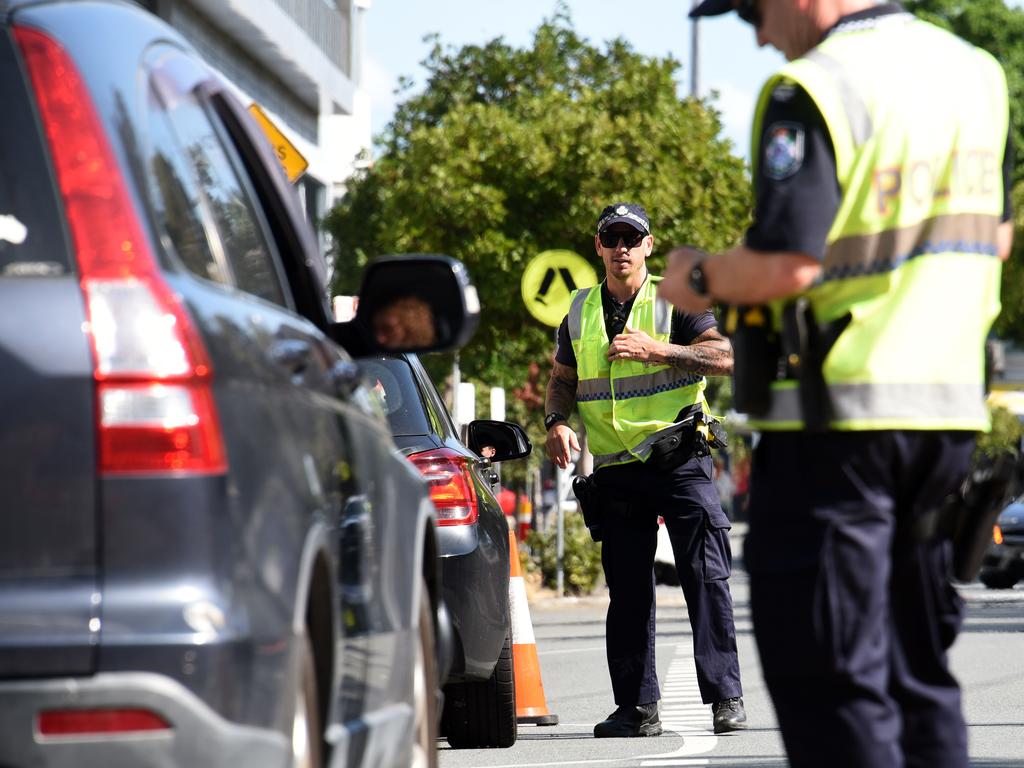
x=561 y=439
x=635 y=345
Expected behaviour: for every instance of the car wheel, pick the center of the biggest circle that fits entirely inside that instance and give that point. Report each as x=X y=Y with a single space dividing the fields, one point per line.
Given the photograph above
x=998 y=579
x=425 y=685
x=483 y=714
x=307 y=749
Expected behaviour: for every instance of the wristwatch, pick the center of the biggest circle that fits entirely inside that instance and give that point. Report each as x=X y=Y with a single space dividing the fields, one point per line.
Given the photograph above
x=551 y=419
x=698 y=280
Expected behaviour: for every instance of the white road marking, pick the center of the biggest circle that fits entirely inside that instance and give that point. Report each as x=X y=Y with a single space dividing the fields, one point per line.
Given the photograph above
x=682 y=712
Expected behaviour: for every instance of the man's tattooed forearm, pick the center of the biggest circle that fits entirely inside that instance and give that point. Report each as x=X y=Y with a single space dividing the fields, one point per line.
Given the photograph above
x=560 y=396
x=705 y=359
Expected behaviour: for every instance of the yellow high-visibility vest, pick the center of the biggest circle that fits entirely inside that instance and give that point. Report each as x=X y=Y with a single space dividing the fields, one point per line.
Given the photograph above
x=918 y=120
x=624 y=404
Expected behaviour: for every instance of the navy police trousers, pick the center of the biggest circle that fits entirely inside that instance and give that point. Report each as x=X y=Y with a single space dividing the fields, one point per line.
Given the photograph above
x=853 y=617
x=686 y=498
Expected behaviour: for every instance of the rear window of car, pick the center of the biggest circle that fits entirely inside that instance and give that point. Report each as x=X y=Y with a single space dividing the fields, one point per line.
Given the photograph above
x=32 y=240
x=395 y=384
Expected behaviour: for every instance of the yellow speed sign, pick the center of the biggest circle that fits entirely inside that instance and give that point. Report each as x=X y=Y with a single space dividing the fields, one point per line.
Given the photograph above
x=548 y=280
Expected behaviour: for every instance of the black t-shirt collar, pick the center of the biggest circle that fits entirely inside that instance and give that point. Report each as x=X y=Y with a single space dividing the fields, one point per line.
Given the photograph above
x=868 y=14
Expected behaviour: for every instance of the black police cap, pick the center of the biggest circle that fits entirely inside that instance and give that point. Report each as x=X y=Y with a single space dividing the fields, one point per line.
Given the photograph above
x=712 y=8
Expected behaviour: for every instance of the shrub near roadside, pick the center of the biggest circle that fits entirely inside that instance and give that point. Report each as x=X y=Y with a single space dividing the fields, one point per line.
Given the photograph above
x=582 y=557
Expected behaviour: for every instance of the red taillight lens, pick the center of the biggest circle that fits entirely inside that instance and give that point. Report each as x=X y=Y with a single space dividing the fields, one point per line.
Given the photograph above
x=451 y=486
x=154 y=397
x=85 y=722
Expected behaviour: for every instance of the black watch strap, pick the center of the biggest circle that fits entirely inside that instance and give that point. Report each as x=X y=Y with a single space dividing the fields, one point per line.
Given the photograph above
x=551 y=419
x=698 y=280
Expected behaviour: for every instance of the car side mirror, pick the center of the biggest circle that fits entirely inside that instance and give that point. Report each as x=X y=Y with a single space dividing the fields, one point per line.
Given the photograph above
x=498 y=440
x=415 y=303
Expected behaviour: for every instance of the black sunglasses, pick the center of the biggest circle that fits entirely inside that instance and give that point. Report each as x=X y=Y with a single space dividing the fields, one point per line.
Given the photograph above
x=610 y=238
x=747 y=10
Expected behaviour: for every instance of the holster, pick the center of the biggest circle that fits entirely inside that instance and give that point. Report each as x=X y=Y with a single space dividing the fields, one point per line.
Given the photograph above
x=805 y=345
x=967 y=515
x=755 y=357
x=596 y=507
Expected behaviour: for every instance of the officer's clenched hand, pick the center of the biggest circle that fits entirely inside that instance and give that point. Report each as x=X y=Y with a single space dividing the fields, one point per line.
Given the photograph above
x=675 y=285
x=635 y=345
x=561 y=439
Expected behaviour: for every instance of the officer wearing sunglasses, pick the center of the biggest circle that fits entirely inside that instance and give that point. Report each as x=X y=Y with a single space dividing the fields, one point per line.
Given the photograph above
x=635 y=371
x=866 y=286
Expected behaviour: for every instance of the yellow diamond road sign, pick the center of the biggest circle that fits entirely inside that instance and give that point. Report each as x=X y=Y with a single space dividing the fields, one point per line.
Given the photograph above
x=291 y=159
x=549 y=278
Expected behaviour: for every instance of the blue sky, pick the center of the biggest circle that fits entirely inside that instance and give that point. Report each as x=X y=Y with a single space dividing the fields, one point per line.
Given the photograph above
x=730 y=62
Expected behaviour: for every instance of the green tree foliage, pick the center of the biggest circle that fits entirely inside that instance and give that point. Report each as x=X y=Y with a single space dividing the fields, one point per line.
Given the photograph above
x=581 y=560
x=999 y=29
x=512 y=151
x=1005 y=437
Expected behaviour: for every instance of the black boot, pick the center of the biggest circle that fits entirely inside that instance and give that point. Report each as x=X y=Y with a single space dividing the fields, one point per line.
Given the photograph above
x=626 y=721
x=729 y=715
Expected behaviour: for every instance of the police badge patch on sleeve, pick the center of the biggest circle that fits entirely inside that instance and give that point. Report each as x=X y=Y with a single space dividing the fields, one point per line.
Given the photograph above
x=783 y=150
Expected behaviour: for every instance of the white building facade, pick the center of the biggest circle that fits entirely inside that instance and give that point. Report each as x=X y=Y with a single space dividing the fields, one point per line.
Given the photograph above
x=300 y=60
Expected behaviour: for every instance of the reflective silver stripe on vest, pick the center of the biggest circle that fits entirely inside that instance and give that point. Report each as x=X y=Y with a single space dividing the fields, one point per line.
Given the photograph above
x=858 y=255
x=649 y=384
x=644 y=385
x=662 y=317
x=589 y=390
x=575 y=319
x=887 y=402
x=861 y=127
x=640 y=453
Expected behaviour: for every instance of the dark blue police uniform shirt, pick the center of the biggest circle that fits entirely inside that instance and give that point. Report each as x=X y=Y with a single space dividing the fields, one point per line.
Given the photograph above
x=685 y=328
x=796 y=190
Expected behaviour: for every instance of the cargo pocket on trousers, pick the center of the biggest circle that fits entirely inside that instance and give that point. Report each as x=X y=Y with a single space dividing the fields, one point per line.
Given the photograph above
x=717 y=551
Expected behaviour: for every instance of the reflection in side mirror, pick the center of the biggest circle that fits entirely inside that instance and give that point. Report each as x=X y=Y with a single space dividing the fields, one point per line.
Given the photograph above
x=417 y=303
x=498 y=440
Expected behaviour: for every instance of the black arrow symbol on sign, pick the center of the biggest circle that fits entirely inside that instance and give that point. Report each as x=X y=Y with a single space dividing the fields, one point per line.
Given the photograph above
x=549 y=278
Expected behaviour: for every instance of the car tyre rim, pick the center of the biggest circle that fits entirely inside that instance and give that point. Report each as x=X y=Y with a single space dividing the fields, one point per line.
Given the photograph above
x=425 y=690
x=305 y=723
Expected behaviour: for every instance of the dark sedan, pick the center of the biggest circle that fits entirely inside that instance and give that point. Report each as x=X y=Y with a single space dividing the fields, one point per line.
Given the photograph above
x=211 y=552
x=472 y=533
x=1003 y=565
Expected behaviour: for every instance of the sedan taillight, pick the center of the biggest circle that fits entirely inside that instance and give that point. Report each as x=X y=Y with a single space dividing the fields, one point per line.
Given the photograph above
x=450 y=482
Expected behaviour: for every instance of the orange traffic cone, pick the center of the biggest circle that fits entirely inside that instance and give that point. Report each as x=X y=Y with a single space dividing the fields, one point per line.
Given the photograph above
x=530 y=704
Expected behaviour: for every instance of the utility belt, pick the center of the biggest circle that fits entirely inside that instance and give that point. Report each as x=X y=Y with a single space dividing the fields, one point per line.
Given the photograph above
x=763 y=355
x=693 y=434
x=967 y=515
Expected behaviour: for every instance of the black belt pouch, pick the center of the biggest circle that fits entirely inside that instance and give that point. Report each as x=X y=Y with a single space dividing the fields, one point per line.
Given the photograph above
x=676 y=446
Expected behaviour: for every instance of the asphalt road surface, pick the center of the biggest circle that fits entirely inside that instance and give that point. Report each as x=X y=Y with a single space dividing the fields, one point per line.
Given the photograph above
x=988 y=659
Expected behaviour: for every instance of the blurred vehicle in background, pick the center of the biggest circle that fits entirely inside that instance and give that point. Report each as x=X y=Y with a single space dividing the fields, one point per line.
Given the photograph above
x=1003 y=564
x=211 y=552
x=472 y=534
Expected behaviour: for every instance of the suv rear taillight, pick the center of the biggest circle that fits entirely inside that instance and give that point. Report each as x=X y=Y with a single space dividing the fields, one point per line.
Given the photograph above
x=155 y=404
x=450 y=483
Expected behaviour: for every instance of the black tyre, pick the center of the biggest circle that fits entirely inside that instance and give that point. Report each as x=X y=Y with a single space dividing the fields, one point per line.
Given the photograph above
x=999 y=579
x=425 y=688
x=483 y=714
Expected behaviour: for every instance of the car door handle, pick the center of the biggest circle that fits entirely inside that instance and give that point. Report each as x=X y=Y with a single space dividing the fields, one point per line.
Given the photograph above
x=291 y=354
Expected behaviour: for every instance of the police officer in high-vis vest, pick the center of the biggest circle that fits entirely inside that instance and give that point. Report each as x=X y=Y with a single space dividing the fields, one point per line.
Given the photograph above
x=635 y=370
x=858 y=308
